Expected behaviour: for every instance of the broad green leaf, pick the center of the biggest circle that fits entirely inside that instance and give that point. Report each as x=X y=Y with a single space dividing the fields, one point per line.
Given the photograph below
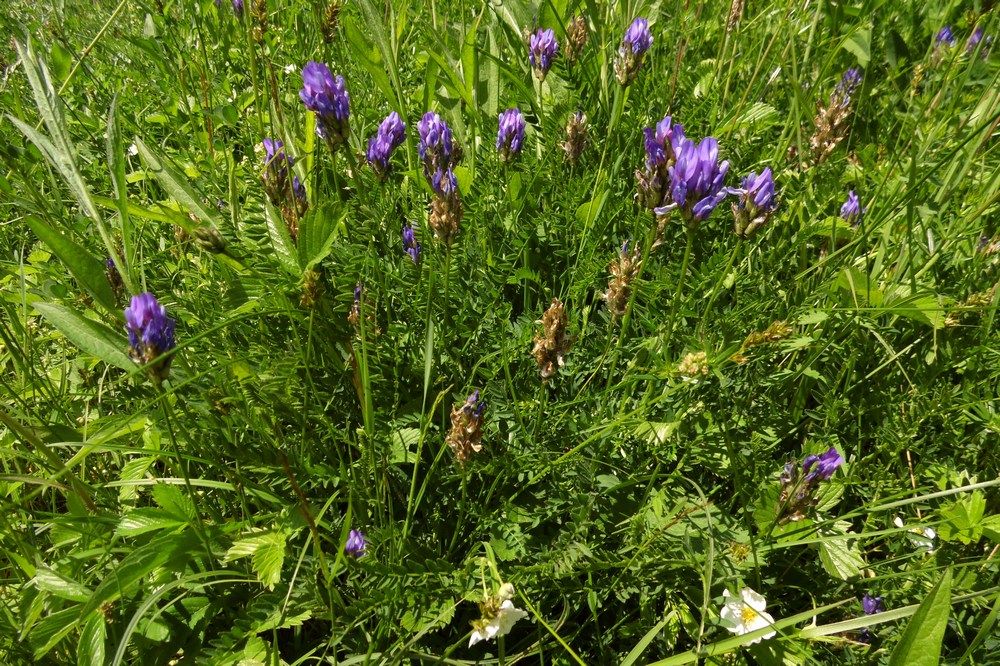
x=281 y=240
x=860 y=44
x=62 y=61
x=51 y=629
x=840 y=557
x=921 y=641
x=176 y=186
x=148 y=519
x=90 y=336
x=93 y=637
x=370 y=59
x=317 y=231
x=963 y=519
x=86 y=268
x=373 y=22
x=55 y=583
x=267 y=553
x=174 y=500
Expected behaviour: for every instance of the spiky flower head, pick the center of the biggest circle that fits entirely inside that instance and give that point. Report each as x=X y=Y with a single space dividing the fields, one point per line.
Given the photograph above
x=151 y=334
x=551 y=343
x=624 y=271
x=410 y=244
x=799 y=483
x=755 y=202
x=696 y=181
x=821 y=467
x=542 y=51
x=872 y=605
x=356 y=544
x=391 y=134
x=576 y=38
x=435 y=146
x=632 y=52
x=576 y=136
x=466 y=434
x=510 y=136
x=327 y=97
x=852 y=211
x=498 y=616
x=848 y=84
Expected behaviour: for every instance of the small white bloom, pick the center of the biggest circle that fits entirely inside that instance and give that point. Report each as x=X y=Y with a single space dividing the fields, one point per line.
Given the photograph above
x=920 y=537
x=290 y=69
x=746 y=614
x=499 y=625
x=133 y=150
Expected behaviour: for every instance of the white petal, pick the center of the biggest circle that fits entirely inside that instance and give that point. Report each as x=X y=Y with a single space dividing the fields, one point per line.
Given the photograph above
x=475 y=638
x=762 y=621
x=753 y=599
x=732 y=613
x=898 y=522
x=507 y=616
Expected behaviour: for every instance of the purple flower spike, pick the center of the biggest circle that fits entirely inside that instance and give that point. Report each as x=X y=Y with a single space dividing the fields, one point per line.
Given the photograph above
x=276 y=165
x=945 y=37
x=852 y=211
x=510 y=137
x=391 y=134
x=696 y=180
x=755 y=204
x=973 y=42
x=435 y=145
x=662 y=143
x=632 y=52
x=356 y=544
x=474 y=407
x=410 y=244
x=238 y=8
x=445 y=183
x=542 y=50
x=327 y=97
x=151 y=333
x=821 y=467
x=872 y=605
x=841 y=95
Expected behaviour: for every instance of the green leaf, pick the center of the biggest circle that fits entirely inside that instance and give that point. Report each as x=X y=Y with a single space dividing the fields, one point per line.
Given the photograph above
x=317 y=231
x=91 y=650
x=921 y=641
x=176 y=186
x=140 y=521
x=116 y=165
x=281 y=240
x=53 y=582
x=86 y=268
x=370 y=59
x=963 y=519
x=839 y=556
x=267 y=550
x=53 y=628
x=90 y=336
x=173 y=500
x=860 y=44
x=62 y=61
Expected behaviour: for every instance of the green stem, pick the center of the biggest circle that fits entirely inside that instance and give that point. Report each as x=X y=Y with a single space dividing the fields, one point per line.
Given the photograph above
x=680 y=285
x=718 y=283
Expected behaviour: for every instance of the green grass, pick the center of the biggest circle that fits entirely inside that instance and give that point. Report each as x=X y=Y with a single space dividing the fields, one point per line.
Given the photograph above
x=202 y=519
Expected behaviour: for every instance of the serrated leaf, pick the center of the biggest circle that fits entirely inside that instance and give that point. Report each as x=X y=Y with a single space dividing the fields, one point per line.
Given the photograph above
x=147 y=519
x=281 y=240
x=963 y=519
x=51 y=629
x=267 y=553
x=90 y=336
x=281 y=619
x=86 y=268
x=92 y=648
x=173 y=500
x=841 y=558
x=53 y=582
x=921 y=641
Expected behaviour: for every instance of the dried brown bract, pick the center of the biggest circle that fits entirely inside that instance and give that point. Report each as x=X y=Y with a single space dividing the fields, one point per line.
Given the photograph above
x=551 y=343
x=623 y=272
x=576 y=137
x=576 y=39
x=466 y=434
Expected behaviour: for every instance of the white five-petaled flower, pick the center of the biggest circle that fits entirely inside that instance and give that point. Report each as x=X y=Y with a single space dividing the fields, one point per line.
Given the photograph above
x=920 y=537
x=499 y=625
x=746 y=614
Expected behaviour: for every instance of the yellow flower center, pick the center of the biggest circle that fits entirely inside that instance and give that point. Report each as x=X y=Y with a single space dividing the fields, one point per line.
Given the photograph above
x=748 y=615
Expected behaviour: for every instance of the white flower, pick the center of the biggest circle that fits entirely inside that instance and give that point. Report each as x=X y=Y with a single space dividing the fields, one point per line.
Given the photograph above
x=289 y=69
x=499 y=625
x=133 y=150
x=920 y=537
x=746 y=614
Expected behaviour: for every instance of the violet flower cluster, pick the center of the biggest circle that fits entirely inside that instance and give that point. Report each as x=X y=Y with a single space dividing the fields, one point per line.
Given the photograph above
x=275 y=177
x=391 y=134
x=696 y=181
x=151 y=334
x=798 y=484
x=662 y=143
x=410 y=244
x=327 y=97
x=356 y=544
x=510 y=136
x=435 y=146
x=542 y=51
x=632 y=52
x=945 y=37
x=755 y=202
x=851 y=212
x=872 y=606
x=438 y=154
x=849 y=82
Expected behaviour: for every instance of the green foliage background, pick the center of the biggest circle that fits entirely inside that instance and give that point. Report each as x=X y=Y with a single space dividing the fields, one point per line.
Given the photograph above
x=202 y=521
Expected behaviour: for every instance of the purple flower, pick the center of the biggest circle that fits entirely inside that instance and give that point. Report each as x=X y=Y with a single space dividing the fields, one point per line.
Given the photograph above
x=973 y=42
x=356 y=544
x=821 y=467
x=299 y=192
x=696 y=180
x=945 y=36
x=327 y=97
x=632 y=52
x=410 y=244
x=848 y=83
x=276 y=165
x=474 y=407
x=542 y=50
x=238 y=8
x=872 y=604
x=435 y=145
x=391 y=133
x=662 y=143
x=445 y=183
x=852 y=211
x=510 y=137
x=151 y=333
x=755 y=203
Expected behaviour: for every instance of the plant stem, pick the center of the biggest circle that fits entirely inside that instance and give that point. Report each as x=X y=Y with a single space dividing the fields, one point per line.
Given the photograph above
x=680 y=285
